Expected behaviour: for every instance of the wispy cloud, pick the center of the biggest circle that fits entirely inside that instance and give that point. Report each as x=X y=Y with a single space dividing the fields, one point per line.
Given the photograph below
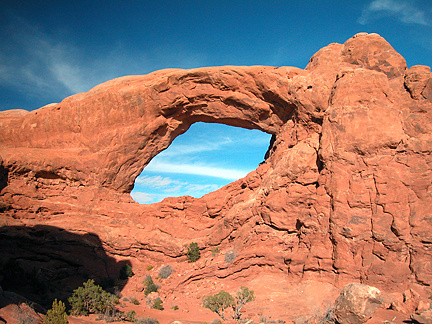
x=42 y=64
x=155 y=188
x=196 y=169
x=405 y=11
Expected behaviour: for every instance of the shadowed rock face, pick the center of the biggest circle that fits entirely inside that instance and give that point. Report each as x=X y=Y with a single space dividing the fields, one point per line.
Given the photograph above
x=345 y=192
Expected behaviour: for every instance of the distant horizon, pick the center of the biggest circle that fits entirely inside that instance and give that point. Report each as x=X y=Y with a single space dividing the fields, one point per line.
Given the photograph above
x=54 y=49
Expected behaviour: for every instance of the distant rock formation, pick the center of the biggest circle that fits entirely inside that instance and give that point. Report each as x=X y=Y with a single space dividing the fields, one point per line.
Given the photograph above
x=344 y=195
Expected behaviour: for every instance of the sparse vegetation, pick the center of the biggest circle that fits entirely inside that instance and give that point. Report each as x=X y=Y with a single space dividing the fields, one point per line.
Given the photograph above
x=130 y=316
x=157 y=304
x=165 y=271
x=219 y=302
x=57 y=314
x=268 y=320
x=134 y=300
x=90 y=299
x=150 y=286
x=215 y=251
x=149 y=267
x=147 y=320
x=243 y=296
x=126 y=272
x=193 y=253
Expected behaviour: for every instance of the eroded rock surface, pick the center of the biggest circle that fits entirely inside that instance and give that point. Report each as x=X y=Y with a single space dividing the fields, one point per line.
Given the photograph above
x=344 y=195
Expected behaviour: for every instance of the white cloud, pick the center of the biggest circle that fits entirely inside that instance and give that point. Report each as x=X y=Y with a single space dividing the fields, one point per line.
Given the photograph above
x=155 y=181
x=201 y=188
x=49 y=65
x=405 y=11
x=143 y=197
x=196 y=169
x=147 y=185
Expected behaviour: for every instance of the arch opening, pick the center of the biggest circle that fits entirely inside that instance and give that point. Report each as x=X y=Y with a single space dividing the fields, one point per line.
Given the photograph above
x=205 y=158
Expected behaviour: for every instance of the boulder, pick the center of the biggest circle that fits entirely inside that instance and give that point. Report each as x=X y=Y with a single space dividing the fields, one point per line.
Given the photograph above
x=356 y=304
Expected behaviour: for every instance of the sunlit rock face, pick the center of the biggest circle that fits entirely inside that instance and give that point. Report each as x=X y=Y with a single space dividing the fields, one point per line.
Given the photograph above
x=344 y=194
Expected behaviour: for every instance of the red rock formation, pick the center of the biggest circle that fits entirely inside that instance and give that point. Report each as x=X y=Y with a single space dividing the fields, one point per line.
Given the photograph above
x=344 y=195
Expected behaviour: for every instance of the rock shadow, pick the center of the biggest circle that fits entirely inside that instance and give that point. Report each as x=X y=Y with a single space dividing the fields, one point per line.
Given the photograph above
x=43 y=262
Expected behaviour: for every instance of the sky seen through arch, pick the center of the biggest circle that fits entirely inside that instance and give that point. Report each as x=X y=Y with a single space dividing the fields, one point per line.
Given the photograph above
x=204 y=159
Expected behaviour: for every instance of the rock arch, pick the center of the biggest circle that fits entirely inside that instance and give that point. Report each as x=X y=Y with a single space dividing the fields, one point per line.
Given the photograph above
x=344 y=193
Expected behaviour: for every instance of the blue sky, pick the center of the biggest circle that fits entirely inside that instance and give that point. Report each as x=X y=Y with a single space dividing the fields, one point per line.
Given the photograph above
x=53 y=49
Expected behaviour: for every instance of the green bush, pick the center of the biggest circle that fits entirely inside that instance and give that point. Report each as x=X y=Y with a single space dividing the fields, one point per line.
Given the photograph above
x=150 y=286
x=90 y=299
x=57 y=314
x=219 y=302
x=126 y=272
x=157 y=304
x=134 y=301
x=193 y=253
x=130 y=316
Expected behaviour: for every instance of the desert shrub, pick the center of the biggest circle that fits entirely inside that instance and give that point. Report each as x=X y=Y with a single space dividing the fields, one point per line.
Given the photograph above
x=157 y=304
x=57 y=314
x=215 y=251
x=219 y=302
x=216 y=321
x=126 y=272
x=147 y=320
x=134 y=300
x=230 y=256
x=175 y=307
x=90 y=299
x=193 y=253
x=130 y=316
x=112 y=315
x=150 y=286
x=149 y=267
x=165 y=271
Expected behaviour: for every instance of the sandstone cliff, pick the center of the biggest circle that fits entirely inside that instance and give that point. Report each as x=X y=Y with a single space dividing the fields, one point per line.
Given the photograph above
x=345 y=193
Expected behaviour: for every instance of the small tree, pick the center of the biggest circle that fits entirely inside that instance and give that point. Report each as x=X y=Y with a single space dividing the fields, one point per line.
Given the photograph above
x=150 y=286
x=219 y=302
x=193 y=253
x=57 y=314
x=243 y=296
x=91 y=299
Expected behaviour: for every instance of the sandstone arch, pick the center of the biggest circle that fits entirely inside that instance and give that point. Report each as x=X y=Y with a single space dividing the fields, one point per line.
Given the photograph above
x=344 y=194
